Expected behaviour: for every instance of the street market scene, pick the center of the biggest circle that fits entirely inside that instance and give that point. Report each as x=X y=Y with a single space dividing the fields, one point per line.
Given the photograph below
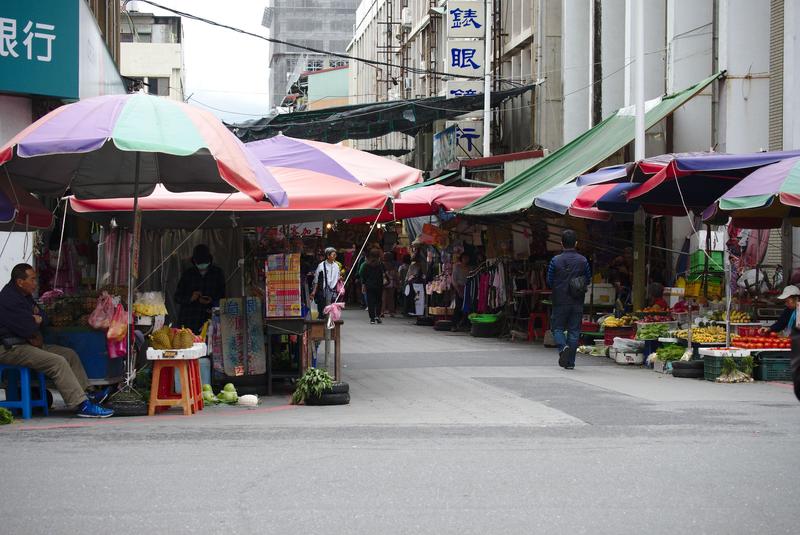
x=443 y=266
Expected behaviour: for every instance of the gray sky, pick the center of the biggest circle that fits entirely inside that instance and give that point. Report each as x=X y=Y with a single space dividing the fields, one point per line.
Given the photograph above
x=224 y=69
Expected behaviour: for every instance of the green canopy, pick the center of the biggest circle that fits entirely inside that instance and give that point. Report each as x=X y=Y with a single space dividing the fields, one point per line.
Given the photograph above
x=578 y=156
x=442 y=178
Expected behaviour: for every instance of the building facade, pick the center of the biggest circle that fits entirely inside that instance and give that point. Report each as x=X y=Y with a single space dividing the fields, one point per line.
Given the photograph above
x=151 y=54
x=319 y=24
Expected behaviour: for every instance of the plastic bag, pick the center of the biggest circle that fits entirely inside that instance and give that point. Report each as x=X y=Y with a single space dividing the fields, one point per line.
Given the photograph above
x=116 y=348
x=629 y=346
x=100 y=318
x=118 y=327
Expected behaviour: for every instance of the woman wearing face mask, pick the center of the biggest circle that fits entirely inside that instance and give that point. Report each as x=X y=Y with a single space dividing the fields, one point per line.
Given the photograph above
x=200 y=288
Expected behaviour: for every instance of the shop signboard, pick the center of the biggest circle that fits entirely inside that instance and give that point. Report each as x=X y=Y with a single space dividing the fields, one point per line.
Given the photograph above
x=465 y=18
x=282 y=274
x=306 y=230
x=39 y=47
x=444 y=147
x=242 y=337
x=460 y=88
x=465 y=57
x=469 y=138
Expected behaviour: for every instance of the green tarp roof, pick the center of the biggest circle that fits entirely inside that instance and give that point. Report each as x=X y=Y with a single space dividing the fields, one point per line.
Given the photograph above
x=576 y=157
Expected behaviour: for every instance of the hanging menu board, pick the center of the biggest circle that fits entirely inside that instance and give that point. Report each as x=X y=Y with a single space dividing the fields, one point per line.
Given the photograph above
x=282 y=274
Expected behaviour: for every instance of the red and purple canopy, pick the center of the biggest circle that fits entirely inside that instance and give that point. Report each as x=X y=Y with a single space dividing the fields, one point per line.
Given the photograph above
x=90 y=148
x=763 y=199
x=20 y=211
x=426 y=201
x=283 y=154
x=329 y=199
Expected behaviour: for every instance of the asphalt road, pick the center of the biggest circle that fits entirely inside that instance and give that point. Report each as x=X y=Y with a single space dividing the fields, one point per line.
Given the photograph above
x=445 y=434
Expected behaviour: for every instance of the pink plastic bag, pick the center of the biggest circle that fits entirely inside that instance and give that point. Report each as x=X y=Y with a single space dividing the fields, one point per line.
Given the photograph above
x=100 y=318
x=118 y=327
x=116 y=349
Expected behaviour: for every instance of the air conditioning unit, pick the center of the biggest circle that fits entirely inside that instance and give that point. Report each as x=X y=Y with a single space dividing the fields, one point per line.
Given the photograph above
x=405 y=17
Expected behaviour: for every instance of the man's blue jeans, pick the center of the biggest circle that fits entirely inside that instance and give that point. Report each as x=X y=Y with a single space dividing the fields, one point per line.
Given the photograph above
x=567 y=318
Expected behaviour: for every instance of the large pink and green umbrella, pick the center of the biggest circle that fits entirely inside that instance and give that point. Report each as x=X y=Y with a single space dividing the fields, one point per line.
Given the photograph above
x=763 y=199
x=93 y=149
x=286 y=155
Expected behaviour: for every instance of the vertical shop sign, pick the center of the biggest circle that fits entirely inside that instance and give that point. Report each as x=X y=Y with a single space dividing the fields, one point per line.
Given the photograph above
x=465 y=18
x=469 y=138
x=444 y=147
x=459 y=88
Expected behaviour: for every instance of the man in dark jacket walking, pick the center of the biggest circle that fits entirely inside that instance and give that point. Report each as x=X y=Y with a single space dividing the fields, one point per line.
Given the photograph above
x=568 y=276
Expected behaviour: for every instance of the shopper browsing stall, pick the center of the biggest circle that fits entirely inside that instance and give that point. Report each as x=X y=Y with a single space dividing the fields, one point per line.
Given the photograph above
x=326 y=280
x=199 y=290
x=459 y=283
x=390 y=284
x=21 y=322
x=788 y=318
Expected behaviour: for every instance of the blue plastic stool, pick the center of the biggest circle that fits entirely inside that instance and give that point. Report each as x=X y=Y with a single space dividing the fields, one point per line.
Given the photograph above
x=18 y=390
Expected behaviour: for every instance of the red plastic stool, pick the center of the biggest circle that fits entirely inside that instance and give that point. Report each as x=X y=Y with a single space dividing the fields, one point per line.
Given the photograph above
x=544 y=321
x=163 y=395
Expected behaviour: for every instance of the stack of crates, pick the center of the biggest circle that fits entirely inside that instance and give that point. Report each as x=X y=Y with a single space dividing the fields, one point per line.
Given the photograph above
x=714 y=277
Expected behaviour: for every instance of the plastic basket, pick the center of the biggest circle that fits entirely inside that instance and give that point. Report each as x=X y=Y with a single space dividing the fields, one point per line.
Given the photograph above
x=773 y=369
x=713 y=366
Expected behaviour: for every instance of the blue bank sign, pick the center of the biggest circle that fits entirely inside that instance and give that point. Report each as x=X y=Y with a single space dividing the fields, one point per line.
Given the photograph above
x=39 y=47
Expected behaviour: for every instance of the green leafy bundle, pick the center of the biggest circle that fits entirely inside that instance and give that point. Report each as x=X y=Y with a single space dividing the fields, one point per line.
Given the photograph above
x=312 y=384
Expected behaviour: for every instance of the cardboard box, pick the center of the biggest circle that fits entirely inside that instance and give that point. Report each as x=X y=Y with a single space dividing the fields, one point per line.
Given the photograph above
x=601 y=294
x=698 y=241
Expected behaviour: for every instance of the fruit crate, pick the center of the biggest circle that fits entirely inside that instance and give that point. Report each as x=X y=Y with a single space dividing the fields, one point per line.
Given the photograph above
x=697 y=261
x=609 y=333
x=773 y=368
x=713 y=366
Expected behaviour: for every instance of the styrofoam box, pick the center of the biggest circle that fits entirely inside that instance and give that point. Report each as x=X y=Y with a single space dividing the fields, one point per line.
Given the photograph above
x=718 y=352
x=624 y=357
x=698 y=241
x=601 y=294
x=198 y=350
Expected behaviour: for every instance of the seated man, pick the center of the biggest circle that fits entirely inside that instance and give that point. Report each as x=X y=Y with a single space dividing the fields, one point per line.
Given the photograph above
x=22 y=345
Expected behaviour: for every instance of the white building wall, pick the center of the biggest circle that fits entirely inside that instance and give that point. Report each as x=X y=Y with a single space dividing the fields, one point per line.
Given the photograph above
x=689 y=59
x=576 y=74
x=612 y=44
x=744 y=94
x=791 y=77
x=162 y=60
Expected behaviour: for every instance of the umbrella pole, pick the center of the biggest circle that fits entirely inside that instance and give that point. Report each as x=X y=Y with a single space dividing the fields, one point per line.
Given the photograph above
x=129 y=342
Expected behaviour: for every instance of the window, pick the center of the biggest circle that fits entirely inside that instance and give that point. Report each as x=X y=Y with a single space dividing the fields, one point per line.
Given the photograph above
x=338 y=63
x=315 y=65
x=158 y=86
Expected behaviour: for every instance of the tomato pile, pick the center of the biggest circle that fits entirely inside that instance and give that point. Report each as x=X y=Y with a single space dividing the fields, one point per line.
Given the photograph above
x=771 y=341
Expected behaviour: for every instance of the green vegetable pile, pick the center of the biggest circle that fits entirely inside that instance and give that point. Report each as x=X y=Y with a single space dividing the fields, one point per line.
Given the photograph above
x=312 y=384
x=670 y=352
x=226 y=395
x=5 y=416
x=736 y=373
x=652 y=331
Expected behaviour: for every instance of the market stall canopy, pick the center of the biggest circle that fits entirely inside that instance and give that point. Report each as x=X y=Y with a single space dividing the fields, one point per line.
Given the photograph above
x=698 y=181
x=367 y=121
x=91 y=148
x=763 y=199
x=20 y=211
x=578 y=156
x=426 y=201
x=312 y=197
x=633 y=171
x=283 y=154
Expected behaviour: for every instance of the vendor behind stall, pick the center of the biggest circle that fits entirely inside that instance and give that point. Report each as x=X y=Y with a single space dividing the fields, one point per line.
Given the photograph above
x=200 y=288
x=787 y=319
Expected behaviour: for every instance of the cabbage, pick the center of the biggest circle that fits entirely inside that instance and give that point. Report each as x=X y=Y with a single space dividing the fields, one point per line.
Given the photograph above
x=228 y=397
x=207 y=388
x=229 y=388
x=209 y=397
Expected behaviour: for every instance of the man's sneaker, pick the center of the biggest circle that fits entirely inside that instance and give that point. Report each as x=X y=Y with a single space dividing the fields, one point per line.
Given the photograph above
x=372 y=322
x=87 y=409
x=378 y=320
x=99 y=396
x=563 y=355
x=570 y=367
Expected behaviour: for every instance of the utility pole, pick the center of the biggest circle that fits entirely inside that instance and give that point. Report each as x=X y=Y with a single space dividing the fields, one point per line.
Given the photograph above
x=487 y=81
x=639 y=154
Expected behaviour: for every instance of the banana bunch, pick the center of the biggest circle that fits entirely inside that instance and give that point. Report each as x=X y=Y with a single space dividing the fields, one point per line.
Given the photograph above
x=704 y=335
x=624 y=321
x=740 y=317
